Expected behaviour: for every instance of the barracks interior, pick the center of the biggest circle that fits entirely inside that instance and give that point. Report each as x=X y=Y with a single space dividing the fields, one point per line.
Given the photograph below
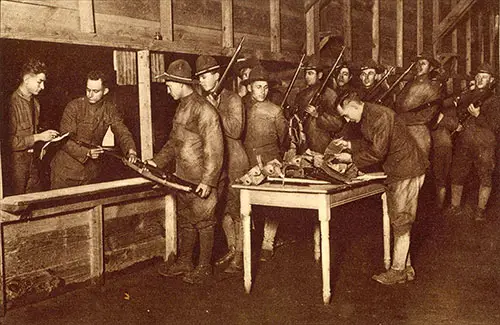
x=249 y=162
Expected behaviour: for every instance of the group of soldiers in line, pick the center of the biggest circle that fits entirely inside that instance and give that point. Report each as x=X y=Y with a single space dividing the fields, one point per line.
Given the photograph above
x=217 y=136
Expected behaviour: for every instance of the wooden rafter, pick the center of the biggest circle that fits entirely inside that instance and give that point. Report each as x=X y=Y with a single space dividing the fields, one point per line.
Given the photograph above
x=275 y=19
x=86 y=13
x=227 y=23
x=399 y=33
x=146 y=124
x=451 y=20
x=166 y=20
x=312 y=30
x=420 y=26
x=376 y=30
x=347 y=18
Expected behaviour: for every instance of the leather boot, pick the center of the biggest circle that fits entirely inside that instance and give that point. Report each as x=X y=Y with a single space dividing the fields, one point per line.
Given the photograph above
x=226 y=257
x=236 y=264
x=184 y=262
x=203 y=272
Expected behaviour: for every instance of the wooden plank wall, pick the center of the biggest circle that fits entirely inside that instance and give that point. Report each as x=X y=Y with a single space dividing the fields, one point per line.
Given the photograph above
x=197 y=23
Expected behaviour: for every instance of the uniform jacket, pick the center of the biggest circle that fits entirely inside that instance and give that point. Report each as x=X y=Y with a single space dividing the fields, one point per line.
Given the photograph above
x=319 y=130
x=195 y=142
x=21 y=128
x=364 y=92
x=265 y=132
x=88 y=123
x=419 y=91
x=232 y=116
x=441 y=134
x=386 y=140
x=482 y=130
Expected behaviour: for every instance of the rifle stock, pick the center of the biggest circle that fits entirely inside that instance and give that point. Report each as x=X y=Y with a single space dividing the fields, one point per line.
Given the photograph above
x=218 y=88
x=391 y=88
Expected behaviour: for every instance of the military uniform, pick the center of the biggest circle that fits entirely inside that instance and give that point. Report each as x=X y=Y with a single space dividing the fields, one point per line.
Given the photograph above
x=88 y=123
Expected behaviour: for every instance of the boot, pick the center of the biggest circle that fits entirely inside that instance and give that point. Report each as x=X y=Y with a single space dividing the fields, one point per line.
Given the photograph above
x=200 y=275
x=236 y=264
x=226 y=257
x=229 y=230
x=203 y=272
x=184 y=263
x=441 y=197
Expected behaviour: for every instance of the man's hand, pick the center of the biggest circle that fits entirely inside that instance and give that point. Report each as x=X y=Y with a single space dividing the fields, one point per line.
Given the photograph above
x=46 y=135
x=340 y=142
x=95 y=153
x=132 y=156
x=203 y=190
x=312 y=110
x=151 y=162
x=343 y=157
x=473 y=110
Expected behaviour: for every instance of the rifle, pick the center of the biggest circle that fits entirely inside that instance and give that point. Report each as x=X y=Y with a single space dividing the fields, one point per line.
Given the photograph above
x=315 y=98
x=146 y=170
x=369 y=96
x=292 y=82
x=218 y=88
x=391 y=88
x=476 y=102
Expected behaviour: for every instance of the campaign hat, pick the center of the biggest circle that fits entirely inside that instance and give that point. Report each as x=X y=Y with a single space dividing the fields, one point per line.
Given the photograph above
x=206 y=63
x=484 y=68
x=258 y=73
x=178 y=71
x=371 y=64
x=313 y=62
x=429 y=57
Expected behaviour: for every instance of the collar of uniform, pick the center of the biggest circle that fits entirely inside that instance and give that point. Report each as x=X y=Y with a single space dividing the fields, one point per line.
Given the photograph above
x=23 y=95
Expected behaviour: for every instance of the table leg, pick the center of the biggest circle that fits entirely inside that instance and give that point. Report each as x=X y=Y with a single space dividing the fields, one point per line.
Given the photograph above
x=246 y=208
x=386 y=232
x=317 y=237
x=324 y=219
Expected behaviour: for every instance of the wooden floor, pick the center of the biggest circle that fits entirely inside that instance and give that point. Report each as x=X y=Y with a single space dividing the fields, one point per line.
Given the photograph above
x=458 y=281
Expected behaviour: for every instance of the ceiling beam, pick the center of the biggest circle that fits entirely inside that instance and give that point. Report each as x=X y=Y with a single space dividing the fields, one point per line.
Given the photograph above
x=452 y=19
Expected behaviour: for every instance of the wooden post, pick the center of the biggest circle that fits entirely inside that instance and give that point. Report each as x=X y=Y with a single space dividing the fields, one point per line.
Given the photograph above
x=420 y=26
x=376 y=30
x=86 y=12
x=1 y=172
x=146 y=125
x=227 y=23
x=312 y=30
x=96 y=235
x=454 y=50
x=346 y=9
x=468 y=44
x=480 y=35
x=275 y=18
x=435 y=25
x=492 y=36
x=497 y=25
x=166 y=20
x=399 y=33
x=170 y=228
x=3 y=301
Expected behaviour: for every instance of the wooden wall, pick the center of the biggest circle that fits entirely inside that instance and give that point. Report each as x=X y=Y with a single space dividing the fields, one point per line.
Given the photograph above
x=197 y=24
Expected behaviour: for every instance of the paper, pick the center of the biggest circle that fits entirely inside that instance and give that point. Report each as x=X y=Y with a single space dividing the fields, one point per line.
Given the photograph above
x=370 y=176
x=43 y=151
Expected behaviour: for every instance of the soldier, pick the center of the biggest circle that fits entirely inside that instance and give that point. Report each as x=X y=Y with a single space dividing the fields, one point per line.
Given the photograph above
x=232 y=115
x=368 y=78
x=342 y=81
x=196 y=145
x=475 y=141
x=265 y=133
x=385 y=139
x=23 y=115
x=322 y=121
x=418 y=102
x=87 y=119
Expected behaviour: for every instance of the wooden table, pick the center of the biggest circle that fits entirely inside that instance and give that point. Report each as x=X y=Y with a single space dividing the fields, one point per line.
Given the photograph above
x=319 y=197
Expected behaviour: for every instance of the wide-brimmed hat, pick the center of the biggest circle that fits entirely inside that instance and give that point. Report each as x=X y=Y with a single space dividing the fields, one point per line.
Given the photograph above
x=371 y=64
x=429 y=57
x=258 y=73
x=243 y=63
x=206 y=63
x=313 y=62
x=484 y=68
x=178 y=71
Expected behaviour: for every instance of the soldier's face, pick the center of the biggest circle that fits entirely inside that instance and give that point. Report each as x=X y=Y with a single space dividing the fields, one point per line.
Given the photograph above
x=174 y=89
x=35 y=83
x=483 y=80
x=367 y=77
x=343 y=77
x=312 y=77
x=423 y=67
x=209 y=80
x=95 y=90
x=259 y=90
x=351 y=111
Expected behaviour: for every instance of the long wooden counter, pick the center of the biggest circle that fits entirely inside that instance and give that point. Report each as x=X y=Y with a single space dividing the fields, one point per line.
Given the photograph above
x=55 y=238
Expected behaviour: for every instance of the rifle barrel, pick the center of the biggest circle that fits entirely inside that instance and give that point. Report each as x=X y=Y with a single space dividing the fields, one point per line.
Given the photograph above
x=292 y=82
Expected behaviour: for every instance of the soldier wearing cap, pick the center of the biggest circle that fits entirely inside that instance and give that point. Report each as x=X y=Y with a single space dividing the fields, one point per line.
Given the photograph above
x=265 y=133
x=368 y=72
x=196 y=145
x=232 y=115
x=417 y=103
x=475 y=141
x=320 y=122
x=342 y=79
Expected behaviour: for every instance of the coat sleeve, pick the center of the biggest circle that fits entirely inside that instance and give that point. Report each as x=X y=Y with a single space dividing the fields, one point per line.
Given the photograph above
x=425 y=115
x=328 y=118
x=19 y=135
x=213 y=145
x=69 y=124
x=233 y=117
x=166 y=154
x=374 y=147
x=120 y=130
x=281 y=127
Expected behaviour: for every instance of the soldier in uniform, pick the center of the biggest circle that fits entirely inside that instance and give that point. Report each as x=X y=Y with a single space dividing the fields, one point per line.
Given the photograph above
x=475 y=141
x=369 y=70
x=417 y=103
x=23 y=114
x=342 y=79
x=87 y=119
x=321 y=121
x=196 y=145
x=386 y=140
x=232 y=115
x=265 y=134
